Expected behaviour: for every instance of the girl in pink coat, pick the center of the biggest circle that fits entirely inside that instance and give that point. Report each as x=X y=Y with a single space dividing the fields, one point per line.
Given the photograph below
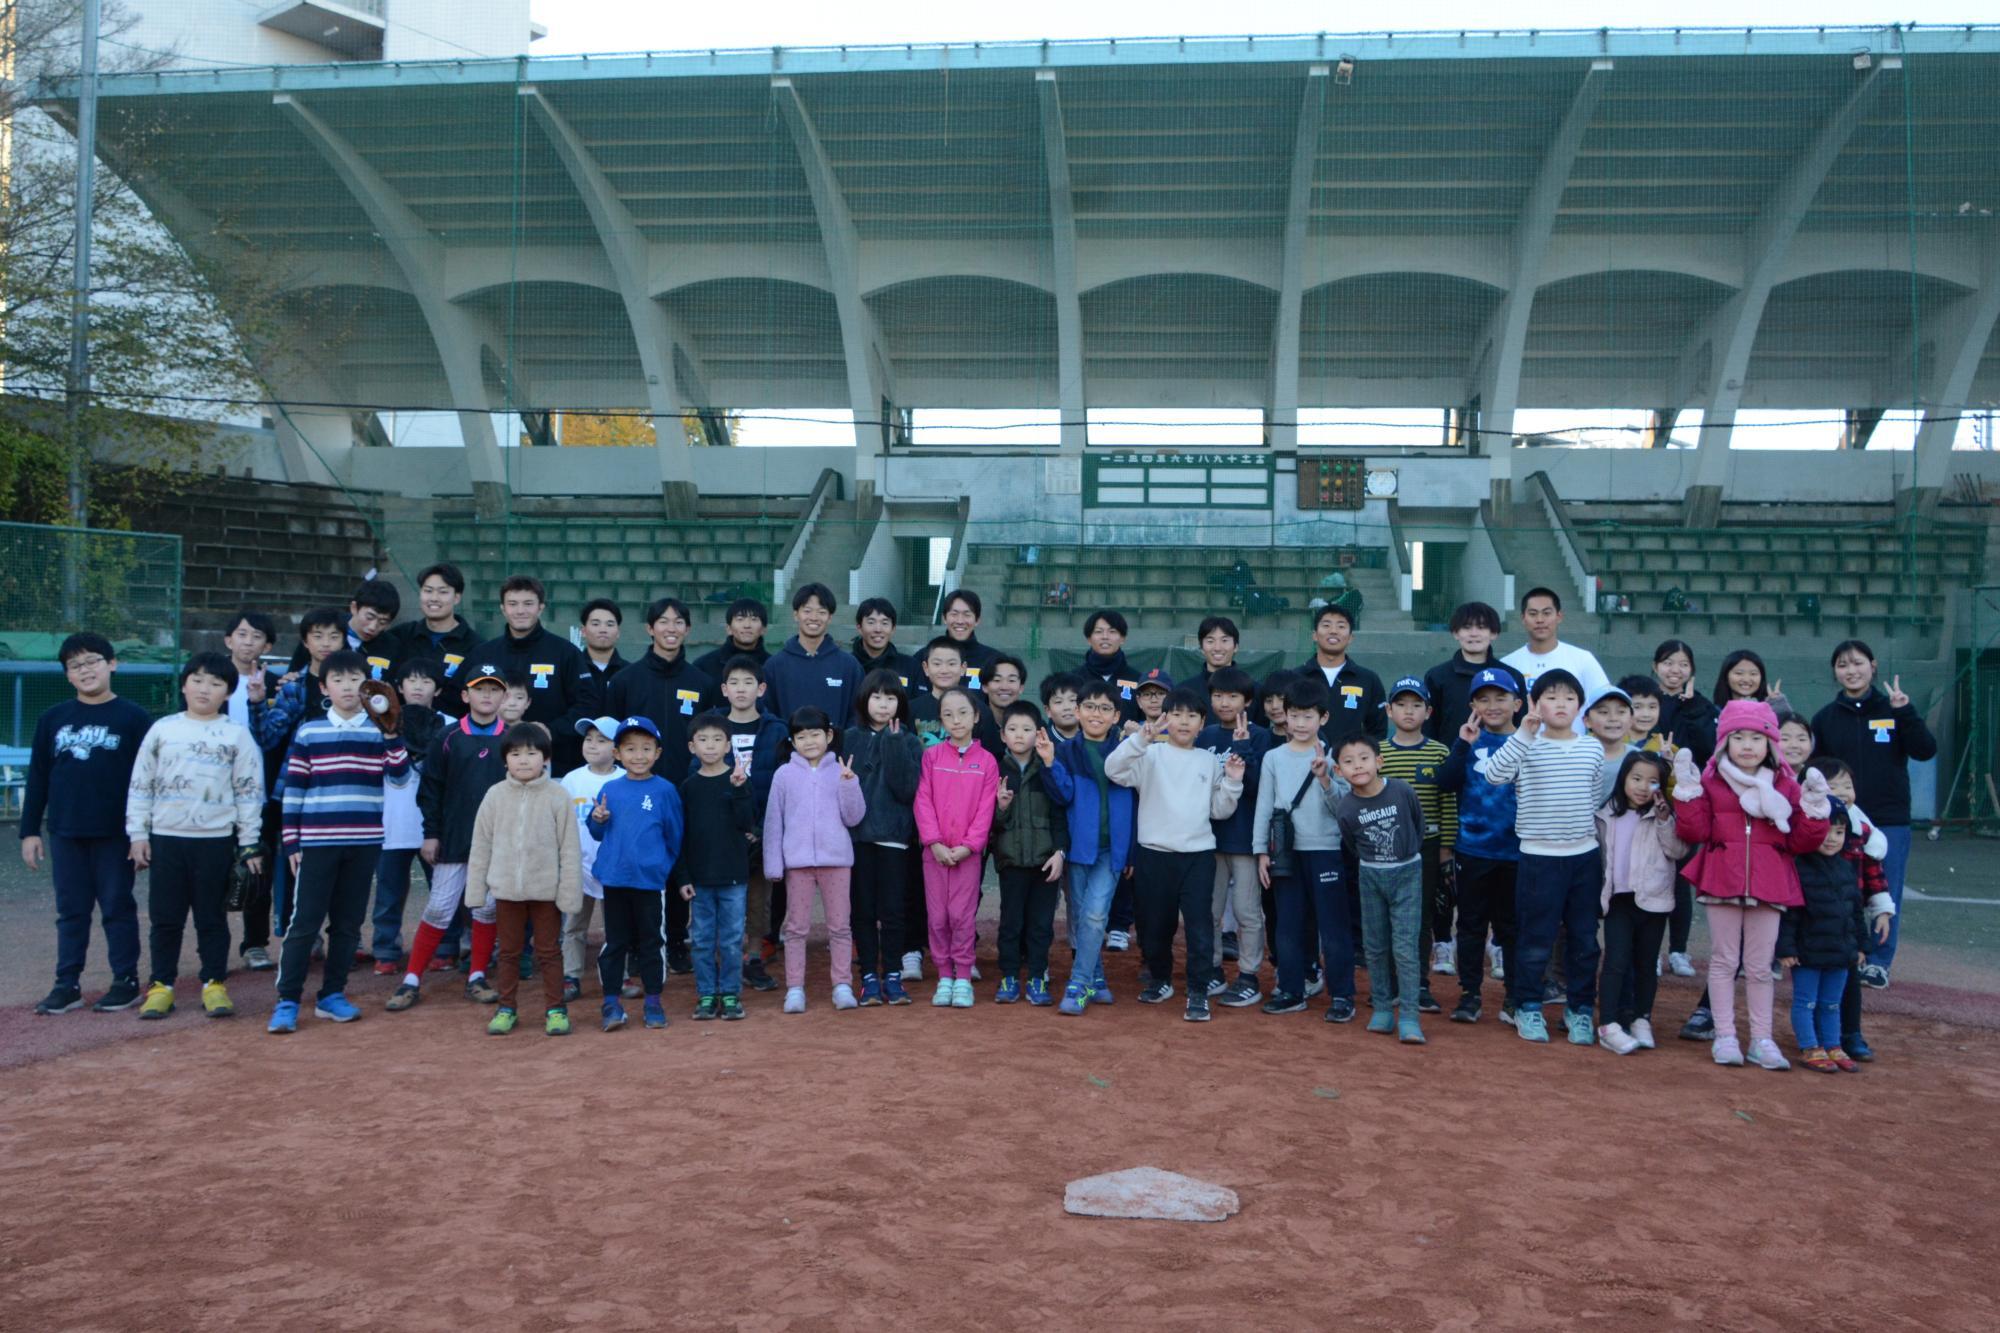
x=1747 y=816
x=956 y=788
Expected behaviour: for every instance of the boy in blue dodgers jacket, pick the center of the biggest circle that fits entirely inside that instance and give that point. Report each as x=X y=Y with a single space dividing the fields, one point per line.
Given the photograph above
x=1100 y=814
x=78 y=769
x=1488 y=854
x=638 y=823
x=1561 y=880
x=333 y=837
x=1237 y=885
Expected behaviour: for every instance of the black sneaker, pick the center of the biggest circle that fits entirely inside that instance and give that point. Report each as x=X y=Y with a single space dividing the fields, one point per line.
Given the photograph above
x=1197 y=1008
x=572 y=990
x=1340 y=1011
x=124 y=993
x=1157 y=991
x=729 y=1006
x=60 y=1000
x=706 y=1008
x=1228 y=946
x=1284 y=1002
x=1466 y=1010
x=1426 y=1002
x=1699 y=1027
x=1241 y=993
x=680 y=960
x=1553 y=993
x=756 y=978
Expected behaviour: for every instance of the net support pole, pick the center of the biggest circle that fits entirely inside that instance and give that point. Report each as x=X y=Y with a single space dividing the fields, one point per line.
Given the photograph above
x=1958 y=338
x=77 y=381
x=1281 y=391
x=1071 y=398
x=1495 y=381
x=670 y=393
x=420 y=256
x=1716 y=360
x=871 y=387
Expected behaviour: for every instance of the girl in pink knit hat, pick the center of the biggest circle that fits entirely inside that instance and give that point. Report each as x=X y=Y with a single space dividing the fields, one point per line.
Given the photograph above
x=1747 y=816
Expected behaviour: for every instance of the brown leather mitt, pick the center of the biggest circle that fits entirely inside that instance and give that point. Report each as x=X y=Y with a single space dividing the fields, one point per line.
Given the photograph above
x=383 y=706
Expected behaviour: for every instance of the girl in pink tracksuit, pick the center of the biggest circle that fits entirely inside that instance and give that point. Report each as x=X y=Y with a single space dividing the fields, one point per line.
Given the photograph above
x=1748 y=817
x=956 y=787
x=814 y=800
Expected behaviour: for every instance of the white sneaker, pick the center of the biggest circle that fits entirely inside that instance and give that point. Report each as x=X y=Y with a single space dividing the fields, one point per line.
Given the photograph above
x=913 y=967
x=1727 y=1052
x=1658 y=968
x=1642 y=1033
x=1444 y=959
x=795 y=1000
x=961 y=994
x=1682 y=965
x=1117 y=941
x=975 y=972
x=1314 y=985
x=1616 y=1039
x=843 y=998
x=1766 y=1055
x=941 y=997
x=1496 y=962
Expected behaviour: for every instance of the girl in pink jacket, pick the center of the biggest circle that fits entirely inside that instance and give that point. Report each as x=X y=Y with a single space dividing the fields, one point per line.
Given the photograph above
x=957 y=784
x=1635 y=831
x=814 y=800
x=1748 y=817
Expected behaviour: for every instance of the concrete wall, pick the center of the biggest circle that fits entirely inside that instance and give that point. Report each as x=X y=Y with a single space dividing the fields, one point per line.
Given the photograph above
x=451 y=29
x=226 y=32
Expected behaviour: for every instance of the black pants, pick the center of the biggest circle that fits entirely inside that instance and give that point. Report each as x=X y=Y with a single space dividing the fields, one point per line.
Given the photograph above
x=916 y=912
x=677 y=921
x=878 y=890
x=1124 y=902
x=1027 y=920
x=1850 y=1006
x=190 y=874
x=1485 y=901
x=257 y=907
x=1175 y=888
x=1350 y=874
x=635 y=929
x=1682 y=919
x=1631 y=950
x=335 y=884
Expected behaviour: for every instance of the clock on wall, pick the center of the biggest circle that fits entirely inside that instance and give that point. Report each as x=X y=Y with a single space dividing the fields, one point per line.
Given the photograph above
x=1382 y=484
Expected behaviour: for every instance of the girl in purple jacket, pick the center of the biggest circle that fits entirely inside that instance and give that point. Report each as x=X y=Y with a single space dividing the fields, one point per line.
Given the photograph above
x=814 y=800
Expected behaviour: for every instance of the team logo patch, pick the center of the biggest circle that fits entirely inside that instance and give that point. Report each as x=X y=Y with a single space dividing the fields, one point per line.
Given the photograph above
x=687 y=698
x=541 y=671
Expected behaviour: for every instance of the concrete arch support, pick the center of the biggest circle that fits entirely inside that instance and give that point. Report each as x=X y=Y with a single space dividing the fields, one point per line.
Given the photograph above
x=1281 y=395
x=1071 y=398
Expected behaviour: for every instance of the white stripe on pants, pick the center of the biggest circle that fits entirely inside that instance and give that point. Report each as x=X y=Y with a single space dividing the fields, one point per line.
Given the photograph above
x=447 y=892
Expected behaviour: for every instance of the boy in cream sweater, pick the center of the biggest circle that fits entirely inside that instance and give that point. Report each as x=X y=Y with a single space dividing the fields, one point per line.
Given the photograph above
x=1181 y=789
x=527 y=857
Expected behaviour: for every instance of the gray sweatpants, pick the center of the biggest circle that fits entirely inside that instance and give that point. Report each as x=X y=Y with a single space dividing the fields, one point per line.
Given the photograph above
x=1236 y=887
x=1392 y=903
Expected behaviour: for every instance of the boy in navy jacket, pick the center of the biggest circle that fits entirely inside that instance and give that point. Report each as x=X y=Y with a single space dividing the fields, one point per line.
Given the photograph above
x=1488 y=853
x=1101 y=816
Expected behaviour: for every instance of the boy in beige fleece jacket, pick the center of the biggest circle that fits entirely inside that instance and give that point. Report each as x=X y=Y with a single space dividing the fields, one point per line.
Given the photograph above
x=527 y=857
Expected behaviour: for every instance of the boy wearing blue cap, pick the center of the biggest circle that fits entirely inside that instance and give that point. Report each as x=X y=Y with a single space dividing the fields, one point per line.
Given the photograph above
x=637 y=818
x=1413 y=758
x=583 y=784
x=1487 y=854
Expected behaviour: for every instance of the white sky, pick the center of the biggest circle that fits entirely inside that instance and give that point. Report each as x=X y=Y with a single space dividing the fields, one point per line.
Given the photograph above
x=599 y=26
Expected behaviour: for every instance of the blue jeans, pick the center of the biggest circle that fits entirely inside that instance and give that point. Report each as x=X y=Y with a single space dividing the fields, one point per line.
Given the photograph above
x=715 y=932
x=93 y=873
x=1090 y=891
x=1322 y=878
x=1816 y=1005
x=392 y=891
x=1551 y=893
x=1392 y=900
x=1893 y=866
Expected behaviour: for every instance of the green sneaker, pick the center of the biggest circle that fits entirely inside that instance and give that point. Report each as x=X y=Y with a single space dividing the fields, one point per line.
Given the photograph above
x=558 y=1024
x=707 y=1007
x=730 y=1005
x=502 y=1023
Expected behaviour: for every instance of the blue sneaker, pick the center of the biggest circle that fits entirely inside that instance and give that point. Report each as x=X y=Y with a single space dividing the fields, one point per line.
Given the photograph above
x=656 y=1013
x=1038 y=992
x=1529 y=1025
x=1100 y=993
x=1009 y=992
x=337 y=1008
x=1855 y=1046
x=1582 y=1032
x=1382 y=1020
x=285 y=1018
x=892 y=989
x=1075 y=996
x=614 y=1015
x=871 y=991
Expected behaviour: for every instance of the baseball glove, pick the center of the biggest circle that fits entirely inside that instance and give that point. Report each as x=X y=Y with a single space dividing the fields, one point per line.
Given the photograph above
x=242 y=880
x=383 y=706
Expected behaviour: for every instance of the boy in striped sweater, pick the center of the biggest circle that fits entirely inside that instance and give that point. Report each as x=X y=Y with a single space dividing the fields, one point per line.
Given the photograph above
x=1414 y=758
x=1554 y=774
x=334 y=775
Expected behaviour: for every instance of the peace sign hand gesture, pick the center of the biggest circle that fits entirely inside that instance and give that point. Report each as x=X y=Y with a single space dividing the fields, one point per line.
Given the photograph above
x=740 y=774
x=600 y=813
x=1045 y=749
x=1469 y=733
x=1897 y=699
x=1242 y=732
x=846 y=768
x=1319 y=765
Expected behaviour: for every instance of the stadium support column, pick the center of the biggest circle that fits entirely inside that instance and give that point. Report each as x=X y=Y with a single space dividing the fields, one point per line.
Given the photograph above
x=420 y=256
x=1716 y=361
x=668 y=399
x=1281 y=383
x=870 y=379
x=1495 y=381
x=1070 y=397
x=1953 y=348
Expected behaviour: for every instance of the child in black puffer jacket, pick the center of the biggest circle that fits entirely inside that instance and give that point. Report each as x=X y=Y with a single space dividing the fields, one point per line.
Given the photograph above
x=1820 y=943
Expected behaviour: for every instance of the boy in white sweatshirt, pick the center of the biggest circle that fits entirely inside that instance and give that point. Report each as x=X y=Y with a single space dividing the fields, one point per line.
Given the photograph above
x=195 y=806
x=1181 y=789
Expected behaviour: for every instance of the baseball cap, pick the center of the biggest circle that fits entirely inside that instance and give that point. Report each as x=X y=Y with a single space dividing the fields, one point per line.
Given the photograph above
x=1493 y=678
x=644 y=724
x=1608 y=692
x=604 y=726
x=485 y=671
x=1410 y=685
x=1154 y=679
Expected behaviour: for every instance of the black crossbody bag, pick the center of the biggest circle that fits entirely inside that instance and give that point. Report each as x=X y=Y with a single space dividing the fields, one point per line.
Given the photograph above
x=1278 y=839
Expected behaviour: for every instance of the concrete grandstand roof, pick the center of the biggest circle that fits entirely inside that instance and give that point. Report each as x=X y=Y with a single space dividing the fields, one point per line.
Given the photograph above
x=1662 y=219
